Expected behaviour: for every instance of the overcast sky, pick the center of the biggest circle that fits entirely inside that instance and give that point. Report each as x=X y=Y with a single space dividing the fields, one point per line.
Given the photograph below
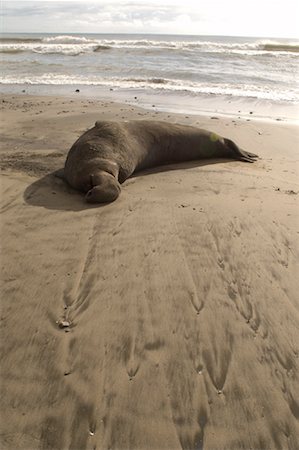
x=263 y=18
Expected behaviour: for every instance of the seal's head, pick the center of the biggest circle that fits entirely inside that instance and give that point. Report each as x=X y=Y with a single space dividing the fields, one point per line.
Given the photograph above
x=105 y=188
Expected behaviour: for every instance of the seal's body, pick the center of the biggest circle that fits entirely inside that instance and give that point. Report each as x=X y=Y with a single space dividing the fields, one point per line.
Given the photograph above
x=106 y=155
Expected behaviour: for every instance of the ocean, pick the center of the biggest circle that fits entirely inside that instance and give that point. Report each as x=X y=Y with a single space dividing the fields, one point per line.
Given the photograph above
x=182 y=73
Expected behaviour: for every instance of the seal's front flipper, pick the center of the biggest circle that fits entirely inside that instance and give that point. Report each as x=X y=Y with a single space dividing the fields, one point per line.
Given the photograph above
x=236 y=152
x=59 y=174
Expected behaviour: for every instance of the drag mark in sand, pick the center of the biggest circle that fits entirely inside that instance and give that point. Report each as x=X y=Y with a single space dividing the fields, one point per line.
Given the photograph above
x=130 y=357
x=74 y=295
x=189 y=406
x=79 y=292
x=237 y=280
x=217 y=358
x=193 y=294
x=163 y=272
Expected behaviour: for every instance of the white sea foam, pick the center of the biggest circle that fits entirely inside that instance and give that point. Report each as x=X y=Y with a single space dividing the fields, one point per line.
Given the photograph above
x=161 y=84
x=66 y=39
x=64 y=49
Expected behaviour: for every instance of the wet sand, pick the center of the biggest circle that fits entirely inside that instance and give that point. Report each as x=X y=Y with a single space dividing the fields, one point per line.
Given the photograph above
x=165 y=320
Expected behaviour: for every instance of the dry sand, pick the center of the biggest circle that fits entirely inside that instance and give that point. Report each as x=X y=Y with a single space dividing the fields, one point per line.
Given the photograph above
x=165 y=320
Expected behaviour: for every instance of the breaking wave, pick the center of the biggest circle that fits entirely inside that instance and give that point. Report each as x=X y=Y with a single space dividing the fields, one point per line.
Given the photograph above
x=76 y=45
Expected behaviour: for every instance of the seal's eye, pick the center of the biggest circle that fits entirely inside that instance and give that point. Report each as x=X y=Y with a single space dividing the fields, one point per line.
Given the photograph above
x=110 y=172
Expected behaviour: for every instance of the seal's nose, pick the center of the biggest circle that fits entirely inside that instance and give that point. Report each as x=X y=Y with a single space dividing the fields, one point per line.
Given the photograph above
x=106 y=191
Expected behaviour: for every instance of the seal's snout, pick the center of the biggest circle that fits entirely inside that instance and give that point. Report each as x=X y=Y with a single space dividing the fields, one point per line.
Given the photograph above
x=105 y=189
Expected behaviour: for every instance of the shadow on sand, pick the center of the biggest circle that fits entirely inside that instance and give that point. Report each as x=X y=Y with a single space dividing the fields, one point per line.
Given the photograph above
x=52 y=192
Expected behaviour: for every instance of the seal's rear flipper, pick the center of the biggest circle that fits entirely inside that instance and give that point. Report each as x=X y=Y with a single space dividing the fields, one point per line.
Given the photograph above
x=236 y=152
x=247 y=156
x=59 y=174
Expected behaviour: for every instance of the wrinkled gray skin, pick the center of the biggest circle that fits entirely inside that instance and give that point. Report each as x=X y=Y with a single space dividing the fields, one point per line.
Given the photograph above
x=107 y=154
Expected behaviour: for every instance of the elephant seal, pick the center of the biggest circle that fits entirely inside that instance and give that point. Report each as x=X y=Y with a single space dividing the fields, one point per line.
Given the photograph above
x=107 y=154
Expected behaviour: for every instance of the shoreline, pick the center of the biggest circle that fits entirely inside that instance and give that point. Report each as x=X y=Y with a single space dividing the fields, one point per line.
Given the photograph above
x=201 y=105
x=166 y=319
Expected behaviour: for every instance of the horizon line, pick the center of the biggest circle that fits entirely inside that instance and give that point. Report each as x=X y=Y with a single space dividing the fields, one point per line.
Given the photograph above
x=147 y=34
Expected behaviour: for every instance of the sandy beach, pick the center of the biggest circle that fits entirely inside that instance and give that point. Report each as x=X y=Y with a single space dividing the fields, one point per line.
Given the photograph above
x=165 y=320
